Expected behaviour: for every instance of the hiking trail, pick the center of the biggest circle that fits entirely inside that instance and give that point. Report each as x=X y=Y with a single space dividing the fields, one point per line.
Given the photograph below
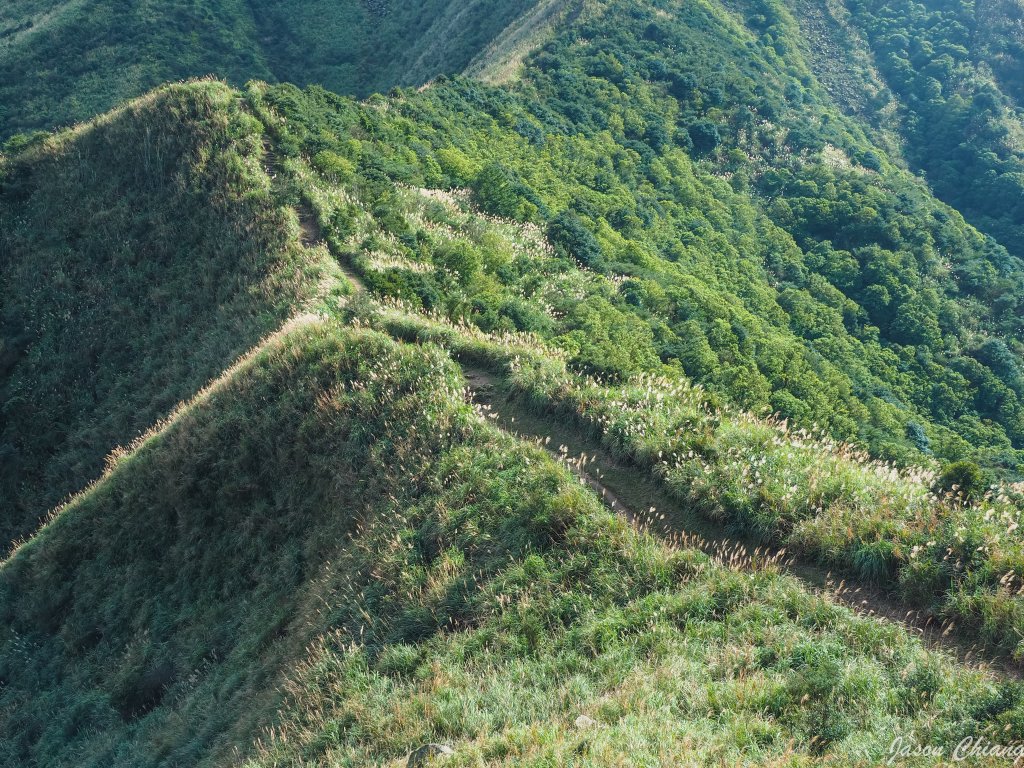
x=639 y=498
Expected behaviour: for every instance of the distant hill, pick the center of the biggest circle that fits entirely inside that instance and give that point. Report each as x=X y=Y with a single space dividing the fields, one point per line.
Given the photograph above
x=65 y=61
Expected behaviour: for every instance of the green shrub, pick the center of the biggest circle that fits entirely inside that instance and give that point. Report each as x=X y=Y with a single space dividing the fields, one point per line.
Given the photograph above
x=962 y=478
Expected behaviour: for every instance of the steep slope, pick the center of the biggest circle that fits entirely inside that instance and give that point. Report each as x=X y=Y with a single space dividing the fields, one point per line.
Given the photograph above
x=329 y=558
x=139 y=255
x=361 y=47
x=502 y=60
x=956 y=556
x=194 y=564
x=67 y=61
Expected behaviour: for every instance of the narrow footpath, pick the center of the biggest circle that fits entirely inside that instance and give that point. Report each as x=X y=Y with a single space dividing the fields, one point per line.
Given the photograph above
x=632 y=493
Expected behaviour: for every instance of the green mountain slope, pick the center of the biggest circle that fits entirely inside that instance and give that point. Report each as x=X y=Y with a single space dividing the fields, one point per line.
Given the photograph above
x=67 y=61
x=759 y=257
x=675 y=230
x=330 y=544
x=329 y=557
x=140 y=254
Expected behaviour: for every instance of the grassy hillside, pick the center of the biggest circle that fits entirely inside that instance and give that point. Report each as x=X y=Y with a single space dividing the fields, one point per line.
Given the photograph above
x=955 y=556
x=140 y=254
x=683 y=234
x=945 y=544
x=67 y=61
x=329 y=558
x=945 y=541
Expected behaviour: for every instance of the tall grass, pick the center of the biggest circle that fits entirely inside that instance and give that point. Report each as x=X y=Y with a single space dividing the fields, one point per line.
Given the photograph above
x=331 y=557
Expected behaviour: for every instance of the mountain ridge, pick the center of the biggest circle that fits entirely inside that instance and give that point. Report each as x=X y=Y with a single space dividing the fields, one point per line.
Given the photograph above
x=668 y=232
x=145 y=252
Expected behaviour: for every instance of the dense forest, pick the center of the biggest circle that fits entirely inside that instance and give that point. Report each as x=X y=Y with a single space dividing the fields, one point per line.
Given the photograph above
x=957 y=69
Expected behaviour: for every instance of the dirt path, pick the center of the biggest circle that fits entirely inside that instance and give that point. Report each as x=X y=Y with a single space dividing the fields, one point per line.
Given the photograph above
x=312 y=236
x=631 y=492
x=310 y=233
